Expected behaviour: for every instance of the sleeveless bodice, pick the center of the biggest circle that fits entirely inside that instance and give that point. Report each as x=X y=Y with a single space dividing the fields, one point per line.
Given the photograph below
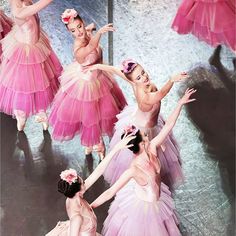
x=89 y=224
x=29 y=31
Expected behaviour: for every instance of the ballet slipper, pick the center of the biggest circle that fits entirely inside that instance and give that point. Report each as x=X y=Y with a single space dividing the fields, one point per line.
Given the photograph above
x=100 y=149
x=88 y=150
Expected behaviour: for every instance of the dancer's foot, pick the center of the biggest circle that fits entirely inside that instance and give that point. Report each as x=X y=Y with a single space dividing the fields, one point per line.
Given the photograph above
x=42 y=118
x=215 y=58
x=20 y=124
x=100 y=149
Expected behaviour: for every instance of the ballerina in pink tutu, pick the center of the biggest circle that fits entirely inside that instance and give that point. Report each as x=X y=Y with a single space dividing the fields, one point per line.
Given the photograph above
x=143 y=205
x=5 y=27
x=30 y=69
x=212 y=21
x=145 y=116
x=87 y=102
x=82 y=220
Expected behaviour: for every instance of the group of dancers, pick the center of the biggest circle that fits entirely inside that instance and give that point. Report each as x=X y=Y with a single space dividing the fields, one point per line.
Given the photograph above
x=143 y=163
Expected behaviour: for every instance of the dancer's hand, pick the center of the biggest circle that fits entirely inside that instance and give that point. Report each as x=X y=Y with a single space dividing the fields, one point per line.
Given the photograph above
x=123 y=143
x=186 y=98
x=179 y=77
x=106 y=28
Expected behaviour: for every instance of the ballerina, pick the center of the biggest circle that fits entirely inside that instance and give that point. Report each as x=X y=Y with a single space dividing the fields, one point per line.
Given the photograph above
x=30 y=69
x=146 y=117
x=5 y=27
x=212 y=21
x=82 y=220
x=143 y=205
x=93 y=98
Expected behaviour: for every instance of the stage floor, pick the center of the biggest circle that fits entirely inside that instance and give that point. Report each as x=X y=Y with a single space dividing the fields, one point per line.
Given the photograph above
x=31 y=162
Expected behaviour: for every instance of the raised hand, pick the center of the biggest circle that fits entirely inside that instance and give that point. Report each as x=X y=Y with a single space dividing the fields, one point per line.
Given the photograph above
x=186 y=98
x=106 y=28
x=123 y=143
x=179 y=77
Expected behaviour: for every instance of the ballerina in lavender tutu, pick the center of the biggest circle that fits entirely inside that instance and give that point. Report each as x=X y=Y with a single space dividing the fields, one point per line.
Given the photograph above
x=29 y=69
x=144 y=115
x=82 y=220
x=143 y=205
x=87 y=102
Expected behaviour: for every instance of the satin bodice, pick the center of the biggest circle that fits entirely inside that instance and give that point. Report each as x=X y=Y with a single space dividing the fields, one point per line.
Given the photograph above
x=29 y=31
x=89 y=223
x=150 y=191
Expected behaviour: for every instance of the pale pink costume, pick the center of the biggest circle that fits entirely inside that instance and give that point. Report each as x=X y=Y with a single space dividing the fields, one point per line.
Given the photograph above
x=142 y=210
x=5 y=27
x=29 y=71
x=87 y=102
x=89 y=221
x=212 y=21
x=151 y=123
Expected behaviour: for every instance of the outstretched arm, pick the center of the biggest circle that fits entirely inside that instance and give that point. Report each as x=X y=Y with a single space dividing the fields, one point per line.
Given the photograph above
x=110 y=69
x=108 y=194
x=103 y=165
x=24 y=12
x=158 y=140
x=156 y=97
x=82 y=52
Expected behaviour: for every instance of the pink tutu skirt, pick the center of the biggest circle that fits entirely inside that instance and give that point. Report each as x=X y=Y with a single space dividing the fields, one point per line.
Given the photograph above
x=28 y=76
x=86 y=104
x=168 y=153
x=212 y=21
x=131 y=216
x=63 y=229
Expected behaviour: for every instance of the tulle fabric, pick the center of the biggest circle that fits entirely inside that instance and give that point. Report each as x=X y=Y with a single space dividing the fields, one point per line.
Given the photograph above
x=29 y=75
x=168 y=153
x=86 y=104
x=212 y=21
x=131 y=216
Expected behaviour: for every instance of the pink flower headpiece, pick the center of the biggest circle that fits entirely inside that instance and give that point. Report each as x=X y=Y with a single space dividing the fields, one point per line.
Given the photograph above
x=131 y=129
x=128 y=66
x=70 y=176
x=68 y=15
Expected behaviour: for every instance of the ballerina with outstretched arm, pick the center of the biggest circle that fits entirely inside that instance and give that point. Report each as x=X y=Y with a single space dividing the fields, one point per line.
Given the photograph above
x=82 y=220
x=143 y=205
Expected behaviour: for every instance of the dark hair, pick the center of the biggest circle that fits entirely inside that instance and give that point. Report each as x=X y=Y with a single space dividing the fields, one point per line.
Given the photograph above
x=76 y=18
x=136 y=141
x=130 y=70
x=69 y=190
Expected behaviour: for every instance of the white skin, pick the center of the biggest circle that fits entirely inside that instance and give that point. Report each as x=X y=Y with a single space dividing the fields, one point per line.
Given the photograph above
x=24 y=9
x=76 y=222
x=135 y=173
x=146 y=93
x=85 y=42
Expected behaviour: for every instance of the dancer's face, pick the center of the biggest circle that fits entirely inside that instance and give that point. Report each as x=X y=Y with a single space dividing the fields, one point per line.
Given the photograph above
x=77 y=29
x=140 y=76
x=82 y=187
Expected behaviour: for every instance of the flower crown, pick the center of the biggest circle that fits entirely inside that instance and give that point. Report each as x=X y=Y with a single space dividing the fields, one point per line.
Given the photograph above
x=128 y=66
x=70 y=176
x=68 y=15
x=131 y=129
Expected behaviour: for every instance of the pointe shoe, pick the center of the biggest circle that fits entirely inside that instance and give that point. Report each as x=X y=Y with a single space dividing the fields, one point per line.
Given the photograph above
x=88 y=150
x=43 y=120
x=45 y=126
x=100 y=149
x=20 y=125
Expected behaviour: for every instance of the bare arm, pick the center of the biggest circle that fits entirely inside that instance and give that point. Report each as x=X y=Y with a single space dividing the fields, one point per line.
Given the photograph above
x=75 y=224
x=82 y=52
x=103 y=165
x=110 y=69
x=24 y=12
x=158 y=140
x=155 y=97
x=108 y=194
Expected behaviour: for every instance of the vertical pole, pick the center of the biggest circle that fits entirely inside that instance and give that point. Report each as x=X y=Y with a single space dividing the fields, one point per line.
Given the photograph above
x=110 y=34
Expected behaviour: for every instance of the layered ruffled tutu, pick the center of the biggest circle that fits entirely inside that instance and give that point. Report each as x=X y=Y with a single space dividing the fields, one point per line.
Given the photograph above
x=86 y=104
x=212 y=21
x=130 y=215
x=168 y=153
x=29 y=75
